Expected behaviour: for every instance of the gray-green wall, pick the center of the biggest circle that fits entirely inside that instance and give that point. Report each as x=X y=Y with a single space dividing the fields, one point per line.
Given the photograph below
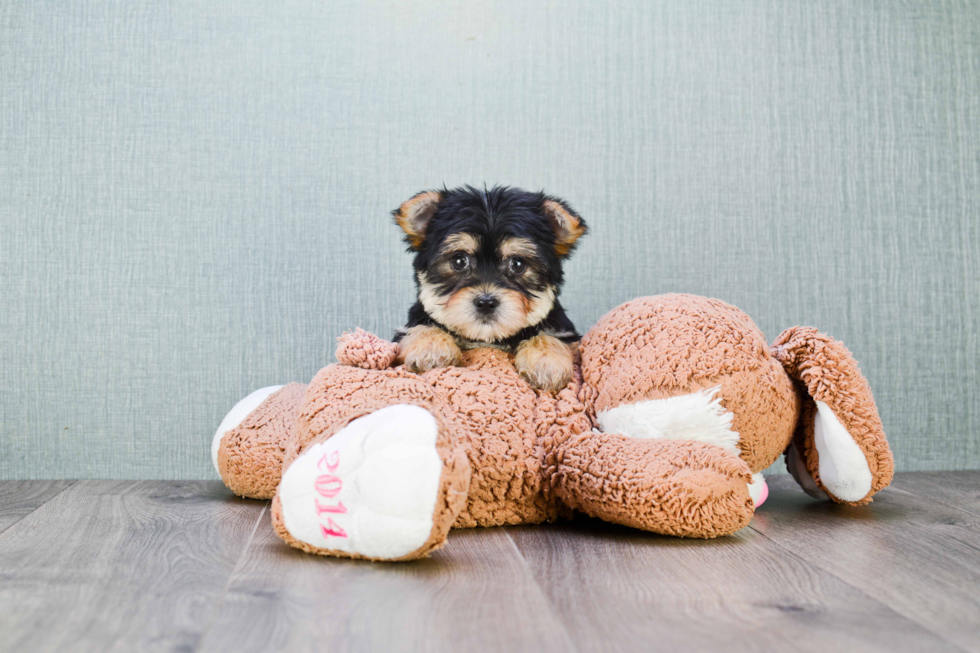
x=194 y=196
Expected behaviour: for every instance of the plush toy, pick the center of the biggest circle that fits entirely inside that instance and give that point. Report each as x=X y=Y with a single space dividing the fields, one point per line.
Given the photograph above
x=675 y=407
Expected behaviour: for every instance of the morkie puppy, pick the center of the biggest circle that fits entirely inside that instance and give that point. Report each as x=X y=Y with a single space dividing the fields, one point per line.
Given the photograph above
x=488 y=268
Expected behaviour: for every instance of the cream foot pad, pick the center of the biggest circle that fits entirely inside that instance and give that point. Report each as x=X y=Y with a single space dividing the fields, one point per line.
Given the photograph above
x=369 y=490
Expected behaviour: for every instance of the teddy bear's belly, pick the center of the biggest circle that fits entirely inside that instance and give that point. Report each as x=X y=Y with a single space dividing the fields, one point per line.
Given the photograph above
x=507 y=430
x=492 y=412
x=506 y=482
x=505 y=486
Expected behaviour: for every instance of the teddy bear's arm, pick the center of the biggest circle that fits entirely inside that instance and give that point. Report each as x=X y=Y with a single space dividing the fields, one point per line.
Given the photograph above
x=363 y=349
x=673 y=487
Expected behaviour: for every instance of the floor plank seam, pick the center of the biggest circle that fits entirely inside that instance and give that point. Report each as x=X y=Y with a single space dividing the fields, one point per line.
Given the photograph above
x=6 y=528
x=231 y=577
x=553 y=608
x=934 y=500
x=859 y=589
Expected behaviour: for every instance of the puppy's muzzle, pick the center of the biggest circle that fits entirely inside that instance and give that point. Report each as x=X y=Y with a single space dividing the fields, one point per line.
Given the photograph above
x=486 y=304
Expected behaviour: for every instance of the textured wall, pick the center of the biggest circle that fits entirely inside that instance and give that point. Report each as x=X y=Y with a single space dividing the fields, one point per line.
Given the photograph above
x=194 y=196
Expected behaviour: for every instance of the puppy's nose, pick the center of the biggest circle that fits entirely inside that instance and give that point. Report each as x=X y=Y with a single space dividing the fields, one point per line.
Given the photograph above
x=486 y=304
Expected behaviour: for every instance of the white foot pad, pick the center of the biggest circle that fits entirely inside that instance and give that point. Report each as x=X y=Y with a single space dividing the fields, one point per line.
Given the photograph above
x=844 y=470
x=235 y=417
x=371 y=489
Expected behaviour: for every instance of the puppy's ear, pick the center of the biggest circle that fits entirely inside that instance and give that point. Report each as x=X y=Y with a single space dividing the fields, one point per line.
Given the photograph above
x=414 y=214
x=568 y=225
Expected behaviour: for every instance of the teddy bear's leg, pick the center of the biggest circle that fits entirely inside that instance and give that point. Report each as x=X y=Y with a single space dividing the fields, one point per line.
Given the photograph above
x=839 y=449
x=372 y=470
x=385 y=487
x=248 y=447
x=674 y=487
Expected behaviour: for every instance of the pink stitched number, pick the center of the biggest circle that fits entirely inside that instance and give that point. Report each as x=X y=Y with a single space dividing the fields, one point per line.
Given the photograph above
x=329 y=462
x=320 y=509
x=328 y=485
x=334 y=530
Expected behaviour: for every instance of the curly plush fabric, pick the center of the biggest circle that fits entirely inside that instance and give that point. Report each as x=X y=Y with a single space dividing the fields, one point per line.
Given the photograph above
x=337 y=396
x=363 y=349
x=830 y=374
x=654 y=347
x=250 y=457
x=514 y=455
x=493 y=409
x=672 y=345
x=674 y=487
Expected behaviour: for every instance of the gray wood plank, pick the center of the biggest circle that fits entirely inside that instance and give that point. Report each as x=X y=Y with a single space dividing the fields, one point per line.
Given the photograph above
x=475 y=594
x=957 y=489
x=618 y=589
x=118 y=565
x=20 y=498
x=917 y=556
x=121 y=566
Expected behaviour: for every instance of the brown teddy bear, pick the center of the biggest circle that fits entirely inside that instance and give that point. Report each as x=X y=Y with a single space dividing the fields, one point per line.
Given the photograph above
x=675 y=407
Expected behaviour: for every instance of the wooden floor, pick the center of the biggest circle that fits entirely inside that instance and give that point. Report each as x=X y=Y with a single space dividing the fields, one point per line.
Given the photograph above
x=133 y=566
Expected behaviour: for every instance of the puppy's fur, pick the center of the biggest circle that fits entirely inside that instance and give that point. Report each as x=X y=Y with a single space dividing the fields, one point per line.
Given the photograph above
x=488 y=269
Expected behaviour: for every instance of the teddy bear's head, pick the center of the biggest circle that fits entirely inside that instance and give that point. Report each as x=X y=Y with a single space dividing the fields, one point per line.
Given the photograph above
x=692 y=368
x=687 y=367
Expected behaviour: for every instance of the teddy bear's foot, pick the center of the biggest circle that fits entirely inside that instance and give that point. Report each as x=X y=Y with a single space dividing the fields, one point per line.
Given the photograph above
x=758 y=489
x=839 y=450
x=236 y=416
x=249 y=445
x=844 y=471
x=385 y=487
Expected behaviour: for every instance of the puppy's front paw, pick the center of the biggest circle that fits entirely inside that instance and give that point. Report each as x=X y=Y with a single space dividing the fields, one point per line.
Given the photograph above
x=545 y=362
x=425 y=348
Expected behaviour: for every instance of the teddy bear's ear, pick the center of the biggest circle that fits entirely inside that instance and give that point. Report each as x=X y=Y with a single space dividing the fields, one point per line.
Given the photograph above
x=414 y=214
x=568 y=225
x=839 y=448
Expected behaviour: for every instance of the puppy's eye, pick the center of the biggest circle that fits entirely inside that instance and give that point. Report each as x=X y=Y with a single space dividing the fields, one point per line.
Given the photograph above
x=460 y=261
x=518 y=265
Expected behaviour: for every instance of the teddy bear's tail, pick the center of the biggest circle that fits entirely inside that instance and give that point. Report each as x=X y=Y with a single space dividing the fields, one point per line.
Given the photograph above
x=839 y=450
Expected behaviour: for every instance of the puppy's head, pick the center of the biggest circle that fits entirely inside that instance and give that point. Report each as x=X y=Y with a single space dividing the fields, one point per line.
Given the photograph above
x=488 y=263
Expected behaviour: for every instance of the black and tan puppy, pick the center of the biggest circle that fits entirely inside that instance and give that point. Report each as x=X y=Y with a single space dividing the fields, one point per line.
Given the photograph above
x=488 y=267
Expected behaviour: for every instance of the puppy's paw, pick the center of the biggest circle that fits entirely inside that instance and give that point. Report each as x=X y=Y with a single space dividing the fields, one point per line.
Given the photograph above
x=425 y=348
x=545 y=362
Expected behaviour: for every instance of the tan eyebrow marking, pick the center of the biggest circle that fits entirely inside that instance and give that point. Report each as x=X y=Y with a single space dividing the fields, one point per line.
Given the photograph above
x=461 y=242
x=517 y=247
